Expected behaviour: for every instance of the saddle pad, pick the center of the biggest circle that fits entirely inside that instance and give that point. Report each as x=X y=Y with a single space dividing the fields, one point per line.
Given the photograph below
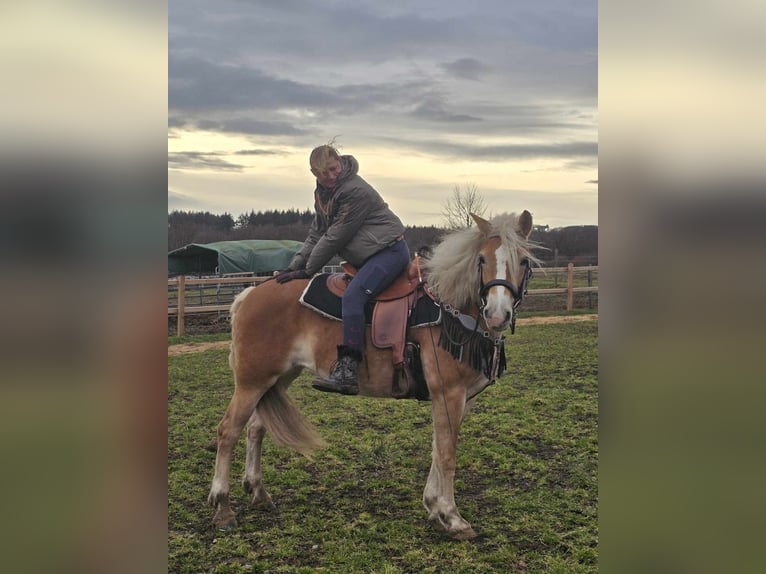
x=317 y=297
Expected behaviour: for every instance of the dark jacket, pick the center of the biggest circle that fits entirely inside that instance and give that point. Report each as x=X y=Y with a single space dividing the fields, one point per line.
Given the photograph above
x=352 y=221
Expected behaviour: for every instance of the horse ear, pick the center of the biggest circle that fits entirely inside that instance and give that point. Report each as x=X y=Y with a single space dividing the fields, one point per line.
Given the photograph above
x=484 y=226
x=525 y=223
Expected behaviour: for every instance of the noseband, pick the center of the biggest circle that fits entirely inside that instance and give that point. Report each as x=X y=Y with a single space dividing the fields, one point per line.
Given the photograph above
x=518 y=294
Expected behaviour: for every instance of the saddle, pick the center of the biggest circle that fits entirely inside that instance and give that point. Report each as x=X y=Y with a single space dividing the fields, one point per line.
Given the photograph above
x=389 y=320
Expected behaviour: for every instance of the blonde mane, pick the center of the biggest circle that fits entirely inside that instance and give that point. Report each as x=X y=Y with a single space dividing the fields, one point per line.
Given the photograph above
x=453 y=267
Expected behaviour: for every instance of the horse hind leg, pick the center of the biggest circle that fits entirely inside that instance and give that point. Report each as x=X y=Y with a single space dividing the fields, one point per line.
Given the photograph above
x=240 y=409
x=252 y=481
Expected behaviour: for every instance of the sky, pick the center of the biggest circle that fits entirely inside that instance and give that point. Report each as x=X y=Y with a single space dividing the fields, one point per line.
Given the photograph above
x=428 y=96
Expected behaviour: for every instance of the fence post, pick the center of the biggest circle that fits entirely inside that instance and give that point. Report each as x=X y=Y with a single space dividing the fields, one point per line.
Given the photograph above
x=181 y=304
x=570 y=286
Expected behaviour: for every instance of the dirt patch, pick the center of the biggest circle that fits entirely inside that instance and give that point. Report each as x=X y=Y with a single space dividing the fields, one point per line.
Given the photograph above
x=562 y=319
x=199 y=347
x=196 y=347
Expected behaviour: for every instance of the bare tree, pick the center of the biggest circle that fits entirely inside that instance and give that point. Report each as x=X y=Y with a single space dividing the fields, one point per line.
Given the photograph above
x=463 y=202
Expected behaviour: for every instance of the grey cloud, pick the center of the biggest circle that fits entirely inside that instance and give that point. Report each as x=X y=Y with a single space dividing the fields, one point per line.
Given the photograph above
x=394 y=71
x=199 y=91
x=583 y=162
x=439 y=114
x=240 y=125
x=465 y=68
x=256 y=152
x=492 y=119
x=198 y=160
x=569 y=26
x=295 y=41
x=512 y=151
x=374 y=32
x=318 y=31
x=250 y=126
x=197 y=84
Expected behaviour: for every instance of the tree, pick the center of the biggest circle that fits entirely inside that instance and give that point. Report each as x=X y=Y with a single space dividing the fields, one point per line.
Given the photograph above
x=459 y=207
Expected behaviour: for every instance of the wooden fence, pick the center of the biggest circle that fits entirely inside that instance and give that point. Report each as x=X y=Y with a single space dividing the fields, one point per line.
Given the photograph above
x=184 y=291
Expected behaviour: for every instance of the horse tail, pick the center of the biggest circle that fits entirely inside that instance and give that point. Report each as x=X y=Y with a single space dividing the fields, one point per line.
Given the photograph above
x=285 y=424
x=282 y=420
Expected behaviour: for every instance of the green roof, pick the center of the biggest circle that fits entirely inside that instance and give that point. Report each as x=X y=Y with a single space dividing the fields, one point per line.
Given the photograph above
x=259 y=256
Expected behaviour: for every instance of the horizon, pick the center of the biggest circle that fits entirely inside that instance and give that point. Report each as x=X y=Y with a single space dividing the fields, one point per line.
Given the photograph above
x=234 y=217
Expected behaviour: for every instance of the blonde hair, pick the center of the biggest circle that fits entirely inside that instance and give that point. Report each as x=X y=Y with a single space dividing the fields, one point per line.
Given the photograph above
x=321 y=155
x=453 y=263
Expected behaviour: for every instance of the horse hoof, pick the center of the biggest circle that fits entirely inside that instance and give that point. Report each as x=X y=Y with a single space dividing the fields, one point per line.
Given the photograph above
x=225 y=521
x=437 y=524
x=227 y=525
x=467 y=534
x=267 y=506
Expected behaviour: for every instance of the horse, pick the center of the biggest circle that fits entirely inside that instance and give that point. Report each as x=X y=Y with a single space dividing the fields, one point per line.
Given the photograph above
x=477 y=275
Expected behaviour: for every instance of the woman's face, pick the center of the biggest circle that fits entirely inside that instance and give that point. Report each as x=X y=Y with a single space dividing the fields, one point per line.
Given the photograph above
x=328 y=177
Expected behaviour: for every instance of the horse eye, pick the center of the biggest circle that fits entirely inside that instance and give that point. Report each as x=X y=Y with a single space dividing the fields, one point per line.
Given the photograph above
x=482 y=261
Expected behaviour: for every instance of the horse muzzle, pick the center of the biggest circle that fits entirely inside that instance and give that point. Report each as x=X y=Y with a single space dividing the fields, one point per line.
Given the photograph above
x=498 y=320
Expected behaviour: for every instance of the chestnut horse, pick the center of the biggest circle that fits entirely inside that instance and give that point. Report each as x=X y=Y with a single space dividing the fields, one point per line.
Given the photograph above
x=478 y=275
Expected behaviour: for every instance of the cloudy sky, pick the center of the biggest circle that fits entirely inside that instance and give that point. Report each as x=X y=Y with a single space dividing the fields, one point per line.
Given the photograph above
x=427 y=95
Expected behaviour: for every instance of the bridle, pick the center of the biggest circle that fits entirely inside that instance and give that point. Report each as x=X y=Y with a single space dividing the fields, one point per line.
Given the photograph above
x=471 y=325
x=518 y=294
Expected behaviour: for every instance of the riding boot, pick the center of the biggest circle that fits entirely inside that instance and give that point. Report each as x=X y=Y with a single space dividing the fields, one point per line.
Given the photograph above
x=343 y=373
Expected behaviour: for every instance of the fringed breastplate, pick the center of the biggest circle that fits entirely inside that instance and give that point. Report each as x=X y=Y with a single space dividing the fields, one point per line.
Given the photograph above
x=462 y=337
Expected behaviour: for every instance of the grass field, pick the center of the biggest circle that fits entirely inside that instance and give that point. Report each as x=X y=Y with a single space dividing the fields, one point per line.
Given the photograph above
x=526 y=477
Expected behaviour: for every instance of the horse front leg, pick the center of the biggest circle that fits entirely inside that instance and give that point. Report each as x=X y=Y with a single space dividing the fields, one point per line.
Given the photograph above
x=252 y=481
x=241 y=407
x=439 y=496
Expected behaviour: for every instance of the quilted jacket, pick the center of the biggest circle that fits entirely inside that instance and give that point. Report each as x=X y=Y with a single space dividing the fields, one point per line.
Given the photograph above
x=351 y=220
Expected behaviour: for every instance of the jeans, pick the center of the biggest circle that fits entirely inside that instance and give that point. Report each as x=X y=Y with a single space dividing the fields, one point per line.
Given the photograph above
x=377 y=273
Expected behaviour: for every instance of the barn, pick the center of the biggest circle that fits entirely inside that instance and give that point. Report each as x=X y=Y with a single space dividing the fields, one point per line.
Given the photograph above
x=256 y=256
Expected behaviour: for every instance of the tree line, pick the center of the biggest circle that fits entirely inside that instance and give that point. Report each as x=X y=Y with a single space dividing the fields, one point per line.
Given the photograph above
x=577 y=243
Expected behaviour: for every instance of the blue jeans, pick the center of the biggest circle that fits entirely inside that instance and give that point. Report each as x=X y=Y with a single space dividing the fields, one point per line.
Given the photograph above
x=377 y=273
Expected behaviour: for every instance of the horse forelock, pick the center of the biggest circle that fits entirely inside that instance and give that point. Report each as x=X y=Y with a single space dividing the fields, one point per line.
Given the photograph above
x=453 y=267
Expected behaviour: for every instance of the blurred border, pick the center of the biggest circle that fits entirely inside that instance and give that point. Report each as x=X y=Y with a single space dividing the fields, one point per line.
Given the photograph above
x=83 y=208
x=83 y=156
x=681 y=217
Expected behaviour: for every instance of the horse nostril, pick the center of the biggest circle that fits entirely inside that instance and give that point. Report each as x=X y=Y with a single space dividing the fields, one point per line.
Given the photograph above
x=507 y=316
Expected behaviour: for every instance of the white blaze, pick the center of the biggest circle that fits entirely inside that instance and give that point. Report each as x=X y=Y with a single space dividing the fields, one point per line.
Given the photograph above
x=502 y=264
x=499 y=300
